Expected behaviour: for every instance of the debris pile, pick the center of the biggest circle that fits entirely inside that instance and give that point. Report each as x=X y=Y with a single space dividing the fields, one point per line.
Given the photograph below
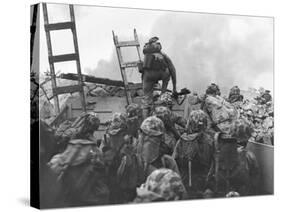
x=261 y=117
x=99 y=90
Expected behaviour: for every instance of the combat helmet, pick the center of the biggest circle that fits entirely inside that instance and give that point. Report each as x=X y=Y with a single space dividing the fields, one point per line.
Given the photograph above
x=162 y=112
x=153 y=39
x=134 y=110
x=241 y=129
x=197 y=121
x=117 y=124
x=92 y=120
x=235 y=90
x=213 y=89
x=163 y=184
x=165 y=99
x=89 y=122
x=152 y=126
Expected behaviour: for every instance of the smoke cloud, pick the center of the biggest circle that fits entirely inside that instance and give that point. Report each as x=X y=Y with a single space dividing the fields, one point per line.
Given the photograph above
x=205 y=48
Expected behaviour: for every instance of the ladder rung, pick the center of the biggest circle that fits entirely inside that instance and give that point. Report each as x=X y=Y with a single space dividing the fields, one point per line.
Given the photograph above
x=59 y=26
x=67 y=89
x=63 y=58
x=130 y=64
x=127 y=43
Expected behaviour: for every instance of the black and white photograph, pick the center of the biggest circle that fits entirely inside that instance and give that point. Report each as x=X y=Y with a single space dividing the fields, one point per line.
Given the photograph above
x=132 y=106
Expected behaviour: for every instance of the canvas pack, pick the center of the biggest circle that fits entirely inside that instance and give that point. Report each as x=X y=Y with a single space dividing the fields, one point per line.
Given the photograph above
x=137 y=105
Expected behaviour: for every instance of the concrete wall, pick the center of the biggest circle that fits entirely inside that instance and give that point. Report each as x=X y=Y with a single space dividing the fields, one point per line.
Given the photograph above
x=265 y=157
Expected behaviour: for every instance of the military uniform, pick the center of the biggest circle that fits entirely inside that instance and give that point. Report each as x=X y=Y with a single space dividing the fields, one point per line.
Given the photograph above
x=266 y=97
x=161 y=185
x=134 y=119
x=151 y=74
x=234 y=95
x=83 y=182
x=163 y=110
x=220 y=113
x=171 y=134
x=151 y=145
x=82 y=127
x=124 y=169
x=234 y=169
x=193 y=152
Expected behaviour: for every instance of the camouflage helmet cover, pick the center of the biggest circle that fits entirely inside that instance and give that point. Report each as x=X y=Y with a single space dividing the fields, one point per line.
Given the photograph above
x=152 y=126
x=213 y=89
x=162 y=112
x=133 y=110
x=241 y=129
x=235 y=90
x=165 y=99
x=93 y=120
x=165 y=183
x=197 y=121
x=153 y=39
x=118 y=123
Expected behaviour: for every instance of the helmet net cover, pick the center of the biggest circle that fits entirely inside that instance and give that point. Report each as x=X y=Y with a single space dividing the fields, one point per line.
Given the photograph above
x=133 y=110
x=165 y=99
x=165 y=183
x=152 y=126
x=241 y=129
x=118 y=124
x=197 y=121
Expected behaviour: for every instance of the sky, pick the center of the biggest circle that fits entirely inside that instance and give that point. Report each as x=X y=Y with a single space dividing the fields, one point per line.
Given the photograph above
x=226 y=49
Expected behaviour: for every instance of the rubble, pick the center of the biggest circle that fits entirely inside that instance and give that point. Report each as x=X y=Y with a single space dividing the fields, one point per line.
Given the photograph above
x=261 y=118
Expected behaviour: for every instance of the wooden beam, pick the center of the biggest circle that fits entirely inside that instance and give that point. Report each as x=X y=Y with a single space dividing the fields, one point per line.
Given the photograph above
x=67 y=89
x=104 y=81
x=92 y=79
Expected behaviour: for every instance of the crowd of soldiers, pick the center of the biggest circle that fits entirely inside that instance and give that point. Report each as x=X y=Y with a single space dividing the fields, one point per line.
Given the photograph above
x=158 y=158
x=150 y=153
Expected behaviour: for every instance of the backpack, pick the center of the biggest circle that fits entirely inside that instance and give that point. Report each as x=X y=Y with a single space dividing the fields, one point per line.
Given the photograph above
x=72 y=130
x=153 y=59
x=220 y=111
x=77 y=152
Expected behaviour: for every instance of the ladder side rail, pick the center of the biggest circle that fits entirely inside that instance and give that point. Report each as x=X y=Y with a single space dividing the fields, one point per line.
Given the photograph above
x=123 y=73
x=80 y=82
x=138 y=46
x=50 y=53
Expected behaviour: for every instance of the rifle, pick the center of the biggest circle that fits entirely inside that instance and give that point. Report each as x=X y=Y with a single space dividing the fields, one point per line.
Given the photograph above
x=183 y=92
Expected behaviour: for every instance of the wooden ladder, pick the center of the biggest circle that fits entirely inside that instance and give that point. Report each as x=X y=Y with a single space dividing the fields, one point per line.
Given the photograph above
x=124 y=65
x=63 y=58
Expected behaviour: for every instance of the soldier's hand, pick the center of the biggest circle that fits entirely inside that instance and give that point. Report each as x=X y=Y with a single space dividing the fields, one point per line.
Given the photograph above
x=175 y=94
